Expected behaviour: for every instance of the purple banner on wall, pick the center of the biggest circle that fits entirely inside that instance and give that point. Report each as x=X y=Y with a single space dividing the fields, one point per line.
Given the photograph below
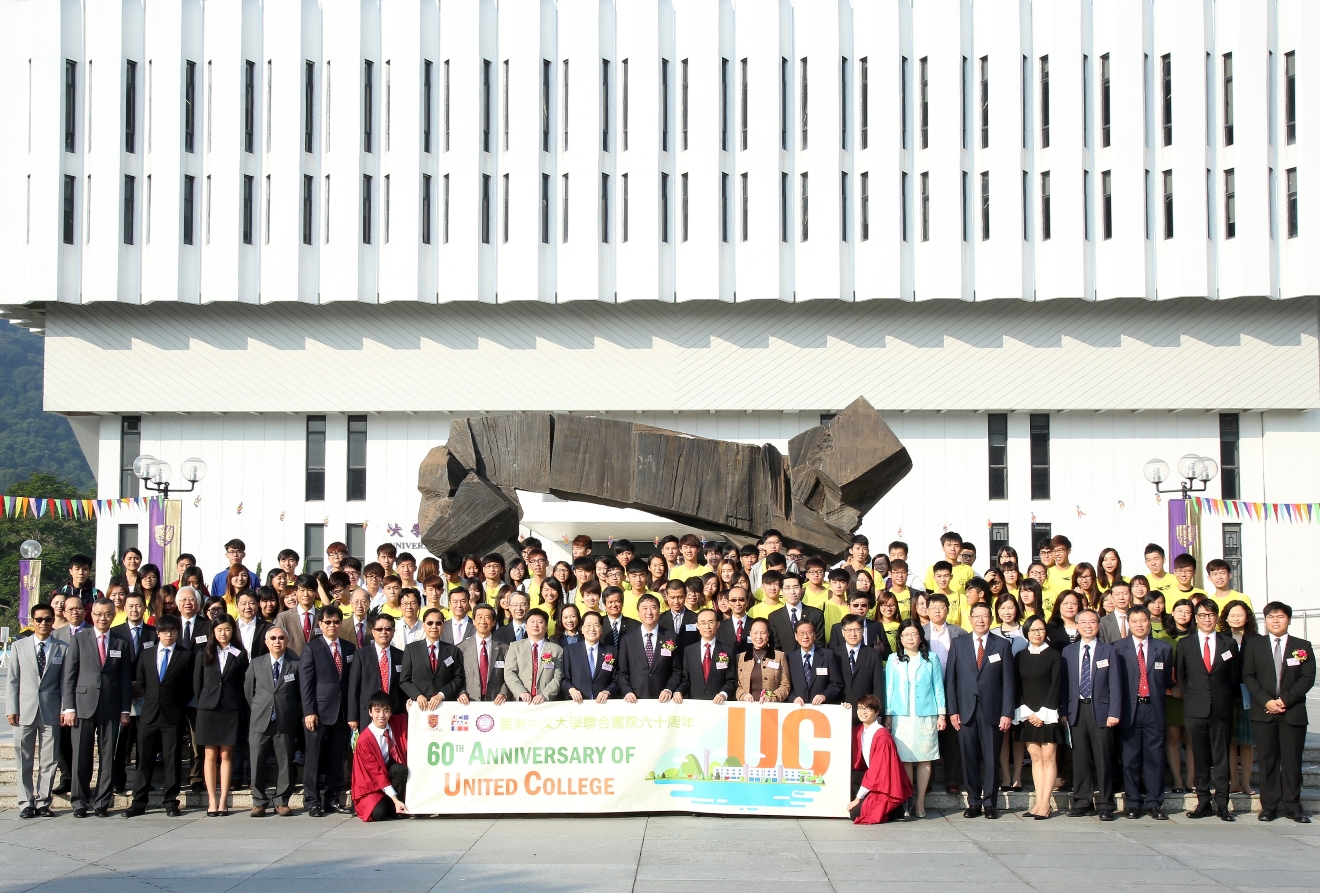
x=29 y=588
x=156 y=521
x=1184 y=530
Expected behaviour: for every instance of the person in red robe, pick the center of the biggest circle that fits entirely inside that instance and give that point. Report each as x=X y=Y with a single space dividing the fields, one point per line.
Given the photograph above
x=380 y=764
x=885 y=787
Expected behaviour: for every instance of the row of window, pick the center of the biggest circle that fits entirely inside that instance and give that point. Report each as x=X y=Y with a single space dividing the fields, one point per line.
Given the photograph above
x=863 y=87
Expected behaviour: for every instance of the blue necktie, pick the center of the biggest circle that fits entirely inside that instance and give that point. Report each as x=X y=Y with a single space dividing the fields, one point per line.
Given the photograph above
x=164 y=663
x=591 y=661
x=137 y=640
x=806 y=668
x=1085 y=688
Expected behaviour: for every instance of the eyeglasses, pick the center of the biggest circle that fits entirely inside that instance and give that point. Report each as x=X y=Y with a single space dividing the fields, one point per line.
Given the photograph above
x=434 y=622
x=330 y=622
x=43 y=619
x=384 y=629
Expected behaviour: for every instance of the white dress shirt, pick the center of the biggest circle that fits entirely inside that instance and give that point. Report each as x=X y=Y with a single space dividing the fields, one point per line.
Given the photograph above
x=868 y=735
x=383 y=742
x=460 y=628
x=939 y=642
x=246 y=632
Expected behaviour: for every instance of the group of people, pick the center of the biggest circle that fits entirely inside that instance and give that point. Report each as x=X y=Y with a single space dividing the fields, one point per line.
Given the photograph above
x=1101 y=678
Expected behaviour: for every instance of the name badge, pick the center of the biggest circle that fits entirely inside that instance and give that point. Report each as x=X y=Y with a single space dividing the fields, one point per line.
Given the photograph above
x=148 y=644
x=666 y=652
x=200 y=640
x=1159 y=665
x=691 y=627
x=1227 y=655
x=233 y=651
x=1293 y=662
x=348 y=659
x=722 y=666
x=994 y=658
x=57 y=659
x=398 y=668
x=1102 y=663
x=772 y=665
x=499 y=665
x=822 y=671
x=288 y=677
x=114 y=653
x=449 y=661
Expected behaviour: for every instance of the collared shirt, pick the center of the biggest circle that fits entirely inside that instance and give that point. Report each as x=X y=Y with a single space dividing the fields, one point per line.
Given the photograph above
x=383 y=742
x=1083 y=644
x=868 y=736
x=413 y=633
x=246 y=632
x=940 y=641
x=1201 y=639
x=460 y=628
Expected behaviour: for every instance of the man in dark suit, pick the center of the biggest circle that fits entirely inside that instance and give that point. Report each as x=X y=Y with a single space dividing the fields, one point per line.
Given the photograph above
x=1146 y=670
x=483 y=660
x=614 y=626
x=815 y=674
x=516 y=629
x=300 y=621
x=274 y=697
x=589 y=664
x=734 y=628
x=97 y=697
x=648 y=657
x=194 y=631
x=164 y=679
x=861 y=665
x=1278 y=670
x=873 y=631
x=678 y=620
x=783 y=622
x=432 y=669
x=709 y=672
x=324 y=669
x=1208 y=671
x=979 y=681
x=249 y=628
x=459 y=625
x=1095 y=702
x=143 y=636
x=377 y=667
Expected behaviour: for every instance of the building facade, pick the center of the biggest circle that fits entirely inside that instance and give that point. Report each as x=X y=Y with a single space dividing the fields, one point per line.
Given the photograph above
x=1049 y=240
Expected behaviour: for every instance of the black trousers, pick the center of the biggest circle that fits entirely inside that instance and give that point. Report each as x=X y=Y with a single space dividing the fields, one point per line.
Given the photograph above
x=1210 y=737
x=384 y=809
x=980 y=741
x=153 y=737
x=95 y=736
x=951 y=754
x=197 y=755
x=326 y=748
x=128 y=736
x=1279 y=751
x=261 y=745
x=64 y=750
x=1142 y=746
x=1092 y=760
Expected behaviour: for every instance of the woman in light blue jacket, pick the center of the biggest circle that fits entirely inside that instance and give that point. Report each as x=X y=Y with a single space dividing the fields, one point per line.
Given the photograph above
x=914 y=702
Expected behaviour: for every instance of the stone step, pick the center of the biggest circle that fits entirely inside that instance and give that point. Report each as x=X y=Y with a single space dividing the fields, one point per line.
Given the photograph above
x=188 y=800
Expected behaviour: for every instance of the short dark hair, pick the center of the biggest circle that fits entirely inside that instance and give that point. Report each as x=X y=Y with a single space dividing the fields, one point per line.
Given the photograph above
x=165 y=623
x=1154 y=548
x=936 y=598
x=1217 y=564
x=951 y=537
x=380 y=699
x=772 y=577
x=647 y=597
x=235 y=544
x=636 y=566
x=1267 y=611
x=941 y=566
x=537 y=612
x=898 y=564
x=898 y=544
x=285 y=553
x=46 y=606
x=482 y=606
x=405 y=556
x=623 y=546
x=331 y=612
x=972 y=610
x=1087 y=611
x=851 y=620
x=776 y=559
x=1138 y=609
x=839 y=575
x=429 y=611
x=1207 y=604
x=669 y=539
x=1184 y=560
x=1061 y=540
x=78 y=559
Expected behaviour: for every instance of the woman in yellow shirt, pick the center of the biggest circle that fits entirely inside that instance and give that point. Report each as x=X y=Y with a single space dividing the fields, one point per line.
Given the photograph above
x=886 y=608
x=552 y=603
x=1108 y=569
x=1012 y=580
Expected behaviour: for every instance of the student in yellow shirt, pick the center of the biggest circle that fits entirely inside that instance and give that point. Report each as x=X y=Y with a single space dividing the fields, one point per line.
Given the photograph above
x=1221 y=575
x=691 y=565
x=1184 y=568
x=976 y=593
x=624 y=552
x=639 y=579
x=588 y=598
x=1040 y=574
x=837 y=606
x=393 y=590
x=538 y=564
x=492 y=577
x=838 y=588
x=670 y=549
x=1060 y=574
x=436 y=595
x=941 y=582
x=959 y=574
x=814 y=592
x=1109 y=569
x=584 y=569
x=770 y=583
x=117 y=591
x=451 y=568
x=859 y=555
x=1155 y=575
x=898 y=588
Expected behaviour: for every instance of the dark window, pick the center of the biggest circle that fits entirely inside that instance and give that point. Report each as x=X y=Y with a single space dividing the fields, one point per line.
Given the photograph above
x=1232 y=552
x=742 y=95
x=545 y=105
x=485 y=209
x=1291 y=178
x=249 y=105
x=1168 y=204
x=444 y=222
x=804 y=208
x=743 y=208
x=309 y=103
x=189 y=188
x=357 y=458
x=724 y=207
x=1045 y=206
x=903 y=103
x=664 y=105
x=1228 y=99
x=130 y=107
x=308 y=186
x=1106 y=205
x=664 y=207
x=1026 y=206
x=783 y=103
x=604 y=107
x=189 y=105
x=1230 y=204
x=355 y=537
x=426 y=209
x=315 y=472
x=866 y=205
x=1228 y=456
x=985 y=205
x=563 y=237
x=783 y=207
x=925 y=207
x=366 y=209
x=1166 y=88
x=843 y=103
x=843 y=205
x=130 y=447
x=624 y=215
x=504 y=84
x=70 y=184
x=128 y=538
x=623 y=112
x=997 y=429
x=368 y=94
x=130 y=211
x=71 y=105
x=504 y=205
x=1040 y=532
x=962 y=102
x=903 y=205
x=545 y=208
x=426 y=105
x=604 y=207
x=963 y=209
x=925 y=105
x=1044 y=102
x=683 y=101
x=313 y=548
x=1040 y=456
x=1104 y=100
x=683 y=207
x=564 y=106
x=1290 y=96
x=802 y=101
x=1026 y=103
x=998 y=537
x=985 y=102
x=864 y=104
x=446 y=89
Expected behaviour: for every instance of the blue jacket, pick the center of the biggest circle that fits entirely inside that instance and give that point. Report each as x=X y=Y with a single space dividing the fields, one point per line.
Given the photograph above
x=1106 y=684
x=928 y=685
x=993 y=686
x=1159 y=676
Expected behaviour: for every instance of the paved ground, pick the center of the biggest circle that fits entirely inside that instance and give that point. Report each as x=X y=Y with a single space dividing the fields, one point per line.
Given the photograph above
x=659 y=853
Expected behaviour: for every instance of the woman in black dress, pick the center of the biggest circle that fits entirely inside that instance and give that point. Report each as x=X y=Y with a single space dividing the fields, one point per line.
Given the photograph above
x=1039 y=681
x=218 y=680
x=1062 y=629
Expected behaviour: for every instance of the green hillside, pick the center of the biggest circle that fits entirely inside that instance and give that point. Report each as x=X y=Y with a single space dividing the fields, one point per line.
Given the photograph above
x=32 y=441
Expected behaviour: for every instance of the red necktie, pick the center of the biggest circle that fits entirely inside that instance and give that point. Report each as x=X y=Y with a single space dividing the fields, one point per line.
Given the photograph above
x=536 y=668
x=1143 y=687
x=361 y=634
x=739 y=634
x=980 y=651
x=434 y=665
x=339 y=661
x=396 y=755
x=307 y=626
x=705 y=665
x=100 y=646
x=1209 y=661
x=385 y=670
x=483 y=666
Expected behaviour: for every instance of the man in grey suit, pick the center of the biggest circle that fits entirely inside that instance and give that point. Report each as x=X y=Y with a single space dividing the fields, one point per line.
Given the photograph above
x=481 y=651
x=459 y=625
x=275 y=702
x=1114 y=625
x=33 y=689
x=940 y=635
x=98 y=692
x=534 y=666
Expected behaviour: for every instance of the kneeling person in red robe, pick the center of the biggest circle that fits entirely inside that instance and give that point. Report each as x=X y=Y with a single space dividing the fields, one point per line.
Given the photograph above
x=380 y=767
x=884 y=786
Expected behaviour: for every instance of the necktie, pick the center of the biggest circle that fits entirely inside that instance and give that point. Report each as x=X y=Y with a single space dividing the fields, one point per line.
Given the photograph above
x=1122 y=626
x=307 y=626
x=1205 y=655
x=792 y=618
x=980 y=651
x=41 y=658
x=164 y=663
x=483 y=666
x=1278 y=666
x=518 y=633
x=100 y=645
x=806 y=668
x=274 y=684
x=591 y=662
x=536 y=666
x=434 y=664
x=650 y=650
x=739 y=630
x=396 y=755
x=361 y=637
x=1143 y=686
x=187 y=633
x=614 y=625
x=852 y=660
x=137 y=640
x=339 y=662
x=1084 y=690
x=705 y=665
x=385 y=670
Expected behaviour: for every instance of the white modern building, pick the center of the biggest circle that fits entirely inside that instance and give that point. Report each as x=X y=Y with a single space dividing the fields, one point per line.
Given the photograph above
x=1050 y=240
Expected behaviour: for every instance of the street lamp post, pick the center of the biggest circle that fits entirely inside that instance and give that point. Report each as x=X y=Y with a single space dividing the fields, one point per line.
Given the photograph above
x=155 y=474
x=1192 y=468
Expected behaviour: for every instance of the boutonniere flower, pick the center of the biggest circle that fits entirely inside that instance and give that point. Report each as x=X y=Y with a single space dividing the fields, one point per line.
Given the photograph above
x=668 y=644
x=608 y=661
x=723 y=657
x=547 y=658
x=1300 y=655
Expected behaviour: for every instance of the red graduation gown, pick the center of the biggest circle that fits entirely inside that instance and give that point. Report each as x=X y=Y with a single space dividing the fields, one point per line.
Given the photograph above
x=885 y=779
x=370 y=775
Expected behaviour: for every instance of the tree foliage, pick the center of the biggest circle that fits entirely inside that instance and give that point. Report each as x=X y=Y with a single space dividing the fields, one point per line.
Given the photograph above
x=32 y=440
x=60 y=539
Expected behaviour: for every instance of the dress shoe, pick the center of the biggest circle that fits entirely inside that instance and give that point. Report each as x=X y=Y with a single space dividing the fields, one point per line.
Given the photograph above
x=1132 y=812
x=1267 y=815
x=1225 y=815
x=258 y=812
x=1158 y=814
x=991 y=813
x=28 y=813
x=80 y=812
x=316 y=812
x=1078 y=811
x=1041 y=818
x=101 y=812
x=1107 y=815
x=121 y=790
x=62 y=790
x=172 y=809
x=134 y=811
x=952 y=789
x=283 y=811
x=1301 y=818
x=1203 y=811
x=45 y=813
x=971 y=812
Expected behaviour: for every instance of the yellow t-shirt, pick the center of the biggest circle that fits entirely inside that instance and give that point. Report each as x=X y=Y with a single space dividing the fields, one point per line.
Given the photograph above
x=1165 y=584
x=683 y=572
x=630 y=603
x=833 y=615
x=1221 y=600
x=891 y=632
x=1175 y=594
x=815 y=599
x=1059 y=580
x=956 y=603
x=962 y=573
x=904 y=599
x=398 y=612
x=762 y=609
x=1119 y=579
